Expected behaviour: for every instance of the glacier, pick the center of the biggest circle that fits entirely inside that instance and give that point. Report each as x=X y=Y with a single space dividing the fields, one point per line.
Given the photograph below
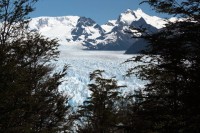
x=83 y=62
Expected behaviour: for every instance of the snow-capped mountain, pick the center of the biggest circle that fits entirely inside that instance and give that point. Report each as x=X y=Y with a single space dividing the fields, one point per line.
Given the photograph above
x=86 y=29
x=55 y=27
x=86 y=32
x=118 y=38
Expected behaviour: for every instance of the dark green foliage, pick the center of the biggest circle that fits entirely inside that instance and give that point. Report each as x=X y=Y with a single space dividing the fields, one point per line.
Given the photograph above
x=171 y=67
x=184 y=8
x=133 y=115
x=30 y=101
x=99 y=112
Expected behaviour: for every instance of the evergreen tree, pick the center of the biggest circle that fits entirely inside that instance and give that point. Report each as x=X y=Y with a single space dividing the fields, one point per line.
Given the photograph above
x=130 y=114
x=171 y=68
x=98 y=113
x=30 y=101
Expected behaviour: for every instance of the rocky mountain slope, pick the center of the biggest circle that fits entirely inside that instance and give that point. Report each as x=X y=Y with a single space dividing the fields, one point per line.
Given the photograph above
x=86 y=32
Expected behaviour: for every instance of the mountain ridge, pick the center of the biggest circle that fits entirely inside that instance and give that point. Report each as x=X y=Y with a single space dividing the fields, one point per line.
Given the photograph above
x=86 y=32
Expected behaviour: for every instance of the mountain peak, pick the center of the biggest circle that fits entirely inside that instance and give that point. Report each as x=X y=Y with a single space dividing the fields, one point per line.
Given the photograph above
x=128 y=11
x=139 y=10
x=129 y=16
x=86 y=21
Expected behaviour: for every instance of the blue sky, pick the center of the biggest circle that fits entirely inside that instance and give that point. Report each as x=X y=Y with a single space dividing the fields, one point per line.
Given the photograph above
x=98 y=10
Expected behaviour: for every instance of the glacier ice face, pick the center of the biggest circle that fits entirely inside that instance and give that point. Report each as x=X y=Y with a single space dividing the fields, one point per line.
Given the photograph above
x=83 y=62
